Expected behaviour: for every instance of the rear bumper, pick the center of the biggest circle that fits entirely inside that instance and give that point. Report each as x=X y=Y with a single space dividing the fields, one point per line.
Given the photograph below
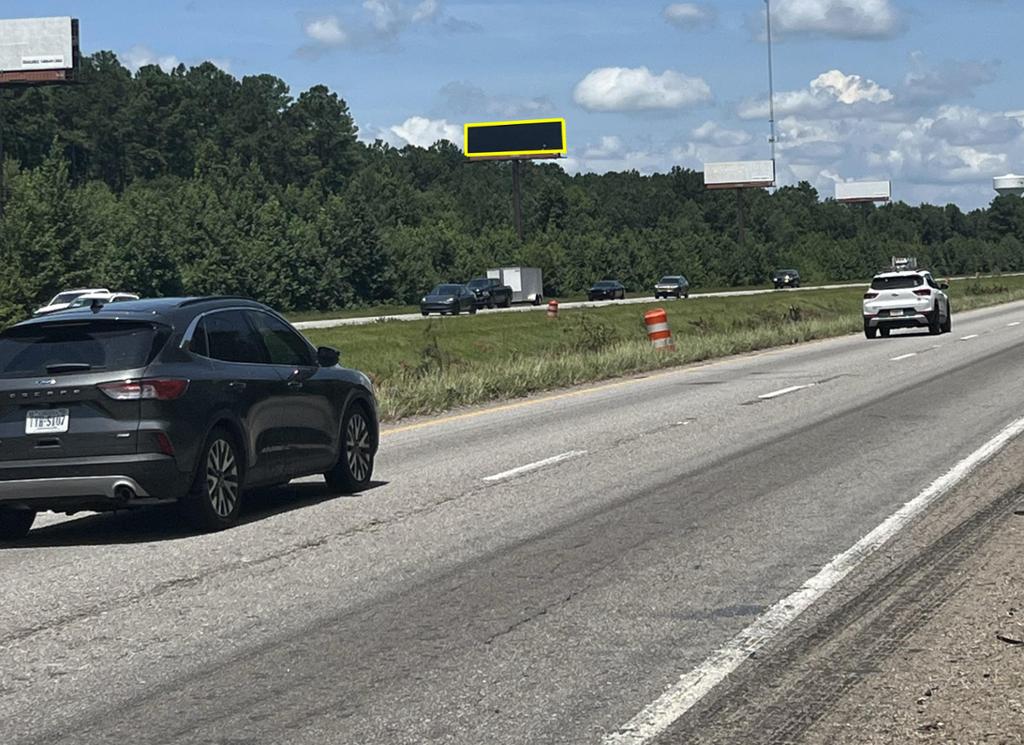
x=92 y=483
x=899 y=322
x=438 y=307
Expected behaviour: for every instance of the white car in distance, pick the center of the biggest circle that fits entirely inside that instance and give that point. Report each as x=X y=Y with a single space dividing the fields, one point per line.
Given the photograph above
x=906 y=299
x=86 y=300
x=62 y=300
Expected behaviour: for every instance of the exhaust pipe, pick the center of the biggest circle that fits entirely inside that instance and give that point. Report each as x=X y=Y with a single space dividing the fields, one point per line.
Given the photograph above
x=124 y=493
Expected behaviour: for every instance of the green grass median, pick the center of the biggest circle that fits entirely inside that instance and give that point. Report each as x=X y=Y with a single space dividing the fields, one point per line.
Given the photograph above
x=438 y=364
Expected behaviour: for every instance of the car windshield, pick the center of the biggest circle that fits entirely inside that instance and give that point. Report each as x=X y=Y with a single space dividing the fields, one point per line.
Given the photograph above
x=606 y=285
x=670 y=280
x=53 y=348
x=481 y=282
x=65 y=297
x=446 y=290
x=83 y=300
x=784 y=272
x=897 y=282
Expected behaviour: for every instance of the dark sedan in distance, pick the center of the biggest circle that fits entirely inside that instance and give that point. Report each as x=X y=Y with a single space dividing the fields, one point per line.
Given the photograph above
x=675 y=285
x=452 y=299
x=784 y=278
x=187 y=400
x=607 y=289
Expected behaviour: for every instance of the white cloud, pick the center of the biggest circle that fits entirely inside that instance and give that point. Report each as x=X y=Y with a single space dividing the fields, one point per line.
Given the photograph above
x=141 y=56
x=326 y=31
x=834 y=92
x=465 y=99
x=962 y=125
x=427 y=10
x=715 y=134
x=928 y=84
x=848 y=19
x=638 y=89
x=424 y=132
x=688 y=15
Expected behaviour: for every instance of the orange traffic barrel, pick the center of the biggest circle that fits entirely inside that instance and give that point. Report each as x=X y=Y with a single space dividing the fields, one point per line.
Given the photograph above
x=552 y=309
x=658 y=331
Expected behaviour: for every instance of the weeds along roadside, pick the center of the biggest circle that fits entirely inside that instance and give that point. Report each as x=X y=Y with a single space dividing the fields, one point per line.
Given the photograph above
x=432 y=366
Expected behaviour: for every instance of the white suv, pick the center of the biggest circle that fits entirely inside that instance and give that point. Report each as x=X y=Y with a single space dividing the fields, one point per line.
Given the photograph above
x=906 y=299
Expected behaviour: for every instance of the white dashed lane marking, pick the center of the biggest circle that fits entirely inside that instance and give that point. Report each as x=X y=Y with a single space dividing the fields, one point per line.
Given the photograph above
x=535 y=466
x=903 y=357
x=968 y=337
x=784 y=391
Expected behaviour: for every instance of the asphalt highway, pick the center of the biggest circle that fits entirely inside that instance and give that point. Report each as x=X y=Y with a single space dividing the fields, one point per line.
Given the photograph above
x=534 y=572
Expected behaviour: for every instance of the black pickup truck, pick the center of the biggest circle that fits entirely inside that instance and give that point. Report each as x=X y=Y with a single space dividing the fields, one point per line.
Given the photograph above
x=490 y=292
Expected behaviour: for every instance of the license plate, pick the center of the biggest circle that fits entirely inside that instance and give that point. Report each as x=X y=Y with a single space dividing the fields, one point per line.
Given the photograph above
x=46 y=422
x=896 y=312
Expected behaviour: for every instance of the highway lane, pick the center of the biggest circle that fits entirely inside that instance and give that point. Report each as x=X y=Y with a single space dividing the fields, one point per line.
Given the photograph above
x=362 y=321
x=537 y=572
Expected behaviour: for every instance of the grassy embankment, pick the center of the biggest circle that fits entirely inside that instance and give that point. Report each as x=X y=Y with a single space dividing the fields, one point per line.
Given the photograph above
x=438 y=364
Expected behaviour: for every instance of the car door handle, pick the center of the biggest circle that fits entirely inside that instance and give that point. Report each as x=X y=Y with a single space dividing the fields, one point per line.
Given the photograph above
x=236 y=385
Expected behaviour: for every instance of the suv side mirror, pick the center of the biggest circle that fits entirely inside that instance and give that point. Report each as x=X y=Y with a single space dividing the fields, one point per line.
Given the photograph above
x=327 y=356
x=943 y=285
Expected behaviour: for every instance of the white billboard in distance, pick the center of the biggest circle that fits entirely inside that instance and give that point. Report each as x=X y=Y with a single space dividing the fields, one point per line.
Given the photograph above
x=864 y=191
x=34 y=44
x=739 y=174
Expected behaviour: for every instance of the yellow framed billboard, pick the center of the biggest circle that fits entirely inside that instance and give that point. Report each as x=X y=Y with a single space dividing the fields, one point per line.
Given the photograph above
x=515 y=139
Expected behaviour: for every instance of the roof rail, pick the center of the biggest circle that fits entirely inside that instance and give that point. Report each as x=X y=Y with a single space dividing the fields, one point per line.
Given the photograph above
x=212 y=298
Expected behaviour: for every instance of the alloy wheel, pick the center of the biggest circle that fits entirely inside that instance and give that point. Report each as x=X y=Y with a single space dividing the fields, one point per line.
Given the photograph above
x=222 y=478
x=357 y=447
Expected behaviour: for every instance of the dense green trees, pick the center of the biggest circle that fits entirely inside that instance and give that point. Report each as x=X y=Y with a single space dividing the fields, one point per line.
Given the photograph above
x=196 y=182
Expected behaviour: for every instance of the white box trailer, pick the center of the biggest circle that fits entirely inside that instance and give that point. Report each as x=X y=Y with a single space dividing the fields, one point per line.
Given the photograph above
x=527 y=282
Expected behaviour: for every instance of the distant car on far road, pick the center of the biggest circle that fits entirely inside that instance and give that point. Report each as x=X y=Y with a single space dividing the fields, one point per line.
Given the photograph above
x=62 y=300
x=490 y=292
x=906 y=300
x=675 y=285
x=784 y=278
x=451 y=299
x=607 y=289
x=86 y=300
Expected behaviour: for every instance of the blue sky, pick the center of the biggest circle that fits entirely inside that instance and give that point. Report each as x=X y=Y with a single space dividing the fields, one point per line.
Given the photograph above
x=925 y=93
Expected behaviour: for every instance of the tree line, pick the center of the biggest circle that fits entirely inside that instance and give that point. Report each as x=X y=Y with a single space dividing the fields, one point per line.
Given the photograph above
x=196 y=182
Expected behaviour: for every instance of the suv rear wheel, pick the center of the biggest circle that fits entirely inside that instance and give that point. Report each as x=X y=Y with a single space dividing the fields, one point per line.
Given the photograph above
x=215 y=500
x=15 y=524
x=870 y=331
x=355 y=461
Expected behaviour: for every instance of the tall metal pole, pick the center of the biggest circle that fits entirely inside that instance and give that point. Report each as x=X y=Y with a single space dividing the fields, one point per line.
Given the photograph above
x=771 y=78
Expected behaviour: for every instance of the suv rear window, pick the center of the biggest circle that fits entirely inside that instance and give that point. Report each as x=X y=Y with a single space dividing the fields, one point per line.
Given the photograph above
x=903 y=282
x=83 y=346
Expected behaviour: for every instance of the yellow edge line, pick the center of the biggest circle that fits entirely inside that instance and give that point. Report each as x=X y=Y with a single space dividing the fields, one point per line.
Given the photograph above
x=586 y=391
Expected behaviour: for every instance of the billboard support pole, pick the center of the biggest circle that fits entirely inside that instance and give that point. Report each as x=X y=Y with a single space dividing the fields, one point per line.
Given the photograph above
x=517 y=199
x=3 y=162
x=740 y=209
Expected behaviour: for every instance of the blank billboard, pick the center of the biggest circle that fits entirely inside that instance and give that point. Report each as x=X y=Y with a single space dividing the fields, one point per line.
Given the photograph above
x=864 y=191
x=739 y=174
x=38 y=49
x=531 y=137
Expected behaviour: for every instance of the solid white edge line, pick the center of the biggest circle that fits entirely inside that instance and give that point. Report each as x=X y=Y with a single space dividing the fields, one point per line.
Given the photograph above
x=903 y=357
x=1011 y=325
x=653 y=720
x=968 y=337
x=534 y=466
x=784 y=391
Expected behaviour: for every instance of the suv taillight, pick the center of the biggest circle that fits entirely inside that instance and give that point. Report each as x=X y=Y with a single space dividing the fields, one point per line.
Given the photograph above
x=923 y=293
x=870 y=295
x=158 y=389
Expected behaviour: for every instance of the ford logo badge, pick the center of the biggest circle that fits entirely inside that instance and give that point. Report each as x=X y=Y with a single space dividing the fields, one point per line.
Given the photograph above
x=46 y=381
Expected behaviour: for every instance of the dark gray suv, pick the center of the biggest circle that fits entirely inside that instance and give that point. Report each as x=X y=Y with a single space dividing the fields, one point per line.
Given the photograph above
x=189 y=400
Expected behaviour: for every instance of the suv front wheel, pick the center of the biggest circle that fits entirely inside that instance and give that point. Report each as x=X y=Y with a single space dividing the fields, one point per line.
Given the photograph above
x=355 y=461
